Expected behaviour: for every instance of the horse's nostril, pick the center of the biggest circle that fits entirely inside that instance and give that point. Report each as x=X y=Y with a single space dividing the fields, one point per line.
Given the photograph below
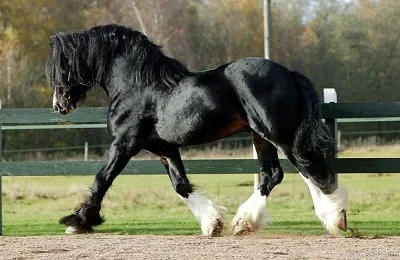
x=56 y=108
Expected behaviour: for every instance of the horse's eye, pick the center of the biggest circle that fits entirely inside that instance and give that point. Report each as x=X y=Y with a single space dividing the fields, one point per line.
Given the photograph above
x=67 y=96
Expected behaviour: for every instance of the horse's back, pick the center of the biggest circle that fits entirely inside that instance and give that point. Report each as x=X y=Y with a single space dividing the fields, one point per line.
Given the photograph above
x=258 y=74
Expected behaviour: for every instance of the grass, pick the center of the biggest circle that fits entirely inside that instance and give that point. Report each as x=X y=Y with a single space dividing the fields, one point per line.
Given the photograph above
x=148 y=204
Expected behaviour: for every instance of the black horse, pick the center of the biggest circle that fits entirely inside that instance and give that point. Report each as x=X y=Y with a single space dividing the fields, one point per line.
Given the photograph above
x=158 y=105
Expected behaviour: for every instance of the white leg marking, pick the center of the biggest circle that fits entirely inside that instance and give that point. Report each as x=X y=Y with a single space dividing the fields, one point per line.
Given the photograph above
x=328 y=207
x=210 y=216
x=251 y=215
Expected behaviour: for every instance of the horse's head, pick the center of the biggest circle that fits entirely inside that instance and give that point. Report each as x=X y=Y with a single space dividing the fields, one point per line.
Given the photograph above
x=65 y=99
x=67 y=71
x=82 y=59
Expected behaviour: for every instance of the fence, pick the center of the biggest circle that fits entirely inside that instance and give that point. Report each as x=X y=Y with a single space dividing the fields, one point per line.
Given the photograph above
x=244 y=139
x=43 y=118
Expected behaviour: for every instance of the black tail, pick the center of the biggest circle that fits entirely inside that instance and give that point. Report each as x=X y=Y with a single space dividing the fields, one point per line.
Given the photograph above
x=312 y=137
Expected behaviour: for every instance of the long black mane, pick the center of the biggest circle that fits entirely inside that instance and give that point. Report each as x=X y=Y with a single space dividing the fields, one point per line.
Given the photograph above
x=82 y=58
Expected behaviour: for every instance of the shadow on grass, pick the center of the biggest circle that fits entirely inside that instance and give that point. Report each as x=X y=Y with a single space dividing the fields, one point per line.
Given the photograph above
x=168 y=227
x=361 y=229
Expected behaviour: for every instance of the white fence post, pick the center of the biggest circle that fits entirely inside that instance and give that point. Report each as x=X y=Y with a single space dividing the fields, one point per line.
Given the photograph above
x=330 y=95
x=86 y=152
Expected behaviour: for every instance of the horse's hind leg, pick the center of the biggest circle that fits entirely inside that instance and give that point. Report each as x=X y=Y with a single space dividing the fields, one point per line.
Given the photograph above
x=252 y=215
x=271 y=173
x=330 y=206
x=329 y=200
x=209 y=215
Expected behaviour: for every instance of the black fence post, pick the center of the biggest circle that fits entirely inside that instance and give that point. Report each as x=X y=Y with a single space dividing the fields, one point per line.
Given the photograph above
x=332 y=124
x=330 y=97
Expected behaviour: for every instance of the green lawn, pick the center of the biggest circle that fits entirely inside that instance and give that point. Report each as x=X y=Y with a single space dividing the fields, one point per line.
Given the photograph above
x=148 y=204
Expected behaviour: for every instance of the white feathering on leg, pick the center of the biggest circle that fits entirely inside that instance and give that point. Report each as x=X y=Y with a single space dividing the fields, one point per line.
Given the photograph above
x=210 y=216
x=251 y=215
x=328 y=207
x=332 y=205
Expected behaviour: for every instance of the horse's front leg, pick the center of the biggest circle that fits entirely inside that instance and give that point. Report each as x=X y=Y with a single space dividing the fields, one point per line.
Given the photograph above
x=87 y=214
x=210 y=216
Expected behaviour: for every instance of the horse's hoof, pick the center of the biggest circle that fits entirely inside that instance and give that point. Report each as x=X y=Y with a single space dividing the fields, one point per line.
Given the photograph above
x=213 y=228
x=217 y=228
x=241 y=232
x=343 y=221
x=74 y=230
x=242 y=228
x=71 y=230
x=335 y=226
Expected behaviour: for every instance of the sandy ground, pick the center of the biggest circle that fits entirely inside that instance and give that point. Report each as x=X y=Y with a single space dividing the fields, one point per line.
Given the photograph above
x=101 y=246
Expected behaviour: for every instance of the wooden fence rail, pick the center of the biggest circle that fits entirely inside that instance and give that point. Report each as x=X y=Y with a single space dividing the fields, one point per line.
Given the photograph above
x=96 y=117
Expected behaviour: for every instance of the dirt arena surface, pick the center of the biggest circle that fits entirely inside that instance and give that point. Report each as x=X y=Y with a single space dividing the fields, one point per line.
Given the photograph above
x=101 y=246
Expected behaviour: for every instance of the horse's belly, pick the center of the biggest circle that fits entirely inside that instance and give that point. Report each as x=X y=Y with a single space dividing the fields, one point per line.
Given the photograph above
x=200 y=129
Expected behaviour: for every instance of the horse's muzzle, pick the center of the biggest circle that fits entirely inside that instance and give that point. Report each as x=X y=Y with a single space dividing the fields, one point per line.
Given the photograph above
x=63 y=111
x=56 y=108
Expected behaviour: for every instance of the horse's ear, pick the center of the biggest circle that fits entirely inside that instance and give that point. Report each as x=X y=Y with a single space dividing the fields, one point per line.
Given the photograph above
x=52 y=40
